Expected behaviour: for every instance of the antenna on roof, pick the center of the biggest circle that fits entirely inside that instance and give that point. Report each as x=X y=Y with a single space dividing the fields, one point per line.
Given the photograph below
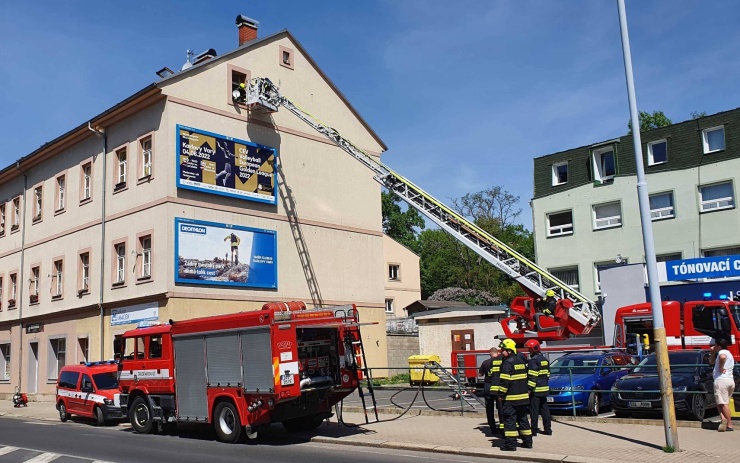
x=188 y=64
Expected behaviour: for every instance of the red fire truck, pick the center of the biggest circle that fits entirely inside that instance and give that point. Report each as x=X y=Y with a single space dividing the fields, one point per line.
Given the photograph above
x=283 y=363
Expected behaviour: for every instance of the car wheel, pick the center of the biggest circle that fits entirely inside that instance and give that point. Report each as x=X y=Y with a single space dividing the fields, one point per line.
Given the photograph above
x=621 y=414
x=593 y=404
x=140 y=417
x=226 y=422
x=99 y=417
x=63 y=415
x=698 y=407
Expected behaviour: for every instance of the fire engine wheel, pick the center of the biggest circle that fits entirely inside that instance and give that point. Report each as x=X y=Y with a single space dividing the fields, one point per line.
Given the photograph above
x=140 y=417
x=304 y=423
x=63 y=415
x=226 y=422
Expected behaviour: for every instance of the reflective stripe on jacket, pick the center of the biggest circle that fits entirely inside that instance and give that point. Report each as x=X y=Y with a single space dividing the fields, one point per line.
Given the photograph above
x=513 y=386
x=539 y=375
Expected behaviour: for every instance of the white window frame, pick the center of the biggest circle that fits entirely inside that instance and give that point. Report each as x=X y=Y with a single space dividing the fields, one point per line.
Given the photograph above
x=598 y=163
x=705 y=139
x=555 y=177
x=2 y=218
x=146 y=157
x=146 y=256
x=35 y=281
x=560 y=230
x=716 y=204
x=5 y=360
x=16 y=212
x=57 y=356
x=85 y=262
x=555 y=271
x=38 y=194
x=389 y=306
x=607 y=222
x=59 y=270
x=121 y=158
x=651 y=157
x=61 y=185
x=87 y=181
x=120 y=263
x=14 y=286
x=663 y=212
x=394 y=272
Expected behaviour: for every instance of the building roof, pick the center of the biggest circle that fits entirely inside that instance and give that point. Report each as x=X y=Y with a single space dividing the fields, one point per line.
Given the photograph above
x=426 y=305
x=461 y=312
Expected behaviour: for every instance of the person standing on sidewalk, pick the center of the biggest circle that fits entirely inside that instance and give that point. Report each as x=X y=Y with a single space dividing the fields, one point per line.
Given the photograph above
x=514 y=394
x=724 y=382
x=538 y=371
x=491 y=370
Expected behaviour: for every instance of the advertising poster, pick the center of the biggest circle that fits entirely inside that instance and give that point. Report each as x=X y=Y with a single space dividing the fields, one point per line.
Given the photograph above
x=209 y=253
x=225 y=166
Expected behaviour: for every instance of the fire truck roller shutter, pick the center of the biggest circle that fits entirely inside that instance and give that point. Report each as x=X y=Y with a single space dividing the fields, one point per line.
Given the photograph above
x=257 y=360
x=224 y=361
x=190 y=374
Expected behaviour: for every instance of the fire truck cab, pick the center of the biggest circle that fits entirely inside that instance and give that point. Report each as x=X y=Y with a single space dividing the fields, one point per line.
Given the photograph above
x=241 y=371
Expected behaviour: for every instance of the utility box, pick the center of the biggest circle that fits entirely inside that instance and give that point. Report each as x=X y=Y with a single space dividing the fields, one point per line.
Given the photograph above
x=417 y=371
x=734 y=407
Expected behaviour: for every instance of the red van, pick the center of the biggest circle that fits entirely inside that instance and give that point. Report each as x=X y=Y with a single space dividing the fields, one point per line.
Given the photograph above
x=89 y=390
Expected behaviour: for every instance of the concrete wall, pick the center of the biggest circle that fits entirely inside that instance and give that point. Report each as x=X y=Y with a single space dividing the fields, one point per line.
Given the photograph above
x=435 y=337
x=400 y=348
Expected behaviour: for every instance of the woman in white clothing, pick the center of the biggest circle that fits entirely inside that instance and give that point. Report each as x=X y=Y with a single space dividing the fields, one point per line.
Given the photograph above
x=724 y=383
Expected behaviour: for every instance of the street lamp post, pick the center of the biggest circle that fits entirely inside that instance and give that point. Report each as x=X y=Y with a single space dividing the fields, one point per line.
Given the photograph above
x=661 y=350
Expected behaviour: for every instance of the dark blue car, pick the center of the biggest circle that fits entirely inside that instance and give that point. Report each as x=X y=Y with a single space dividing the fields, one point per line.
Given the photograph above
x=585 y=379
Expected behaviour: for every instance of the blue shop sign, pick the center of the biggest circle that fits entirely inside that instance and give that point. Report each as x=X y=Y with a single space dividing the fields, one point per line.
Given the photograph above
x=706 y=267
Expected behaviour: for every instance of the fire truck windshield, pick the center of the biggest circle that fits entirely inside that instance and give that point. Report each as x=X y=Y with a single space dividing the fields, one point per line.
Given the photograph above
x=105 y=381
x=735 y=310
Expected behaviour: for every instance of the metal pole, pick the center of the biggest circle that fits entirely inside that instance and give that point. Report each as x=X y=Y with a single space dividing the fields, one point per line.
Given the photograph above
x=661 y=349
x=572 y=392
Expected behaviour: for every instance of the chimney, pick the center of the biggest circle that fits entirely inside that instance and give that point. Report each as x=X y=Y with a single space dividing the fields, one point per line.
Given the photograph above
x=247 y=29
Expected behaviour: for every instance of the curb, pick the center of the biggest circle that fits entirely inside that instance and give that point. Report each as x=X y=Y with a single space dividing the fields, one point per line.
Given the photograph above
x=630 y=421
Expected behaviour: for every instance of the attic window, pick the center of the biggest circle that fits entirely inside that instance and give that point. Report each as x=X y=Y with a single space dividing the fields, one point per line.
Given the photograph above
x=286 y=57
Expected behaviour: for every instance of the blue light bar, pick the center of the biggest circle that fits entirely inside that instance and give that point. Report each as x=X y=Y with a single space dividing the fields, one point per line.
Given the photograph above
x=723 y=297
x=707 y=296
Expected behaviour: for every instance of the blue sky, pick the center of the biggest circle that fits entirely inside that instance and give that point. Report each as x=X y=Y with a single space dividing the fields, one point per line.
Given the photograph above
x=465 y=94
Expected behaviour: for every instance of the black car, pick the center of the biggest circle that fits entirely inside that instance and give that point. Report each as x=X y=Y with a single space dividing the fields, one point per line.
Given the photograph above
x=693 y=386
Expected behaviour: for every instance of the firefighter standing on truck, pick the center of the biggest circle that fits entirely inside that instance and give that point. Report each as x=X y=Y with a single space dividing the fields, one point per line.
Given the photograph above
x=514 y=394
x=538 y=371
x=491 y=370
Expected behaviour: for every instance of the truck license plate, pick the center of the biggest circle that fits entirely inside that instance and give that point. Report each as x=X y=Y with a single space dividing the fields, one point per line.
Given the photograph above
x=638 y=404
x=550 y=399
x=287 y=380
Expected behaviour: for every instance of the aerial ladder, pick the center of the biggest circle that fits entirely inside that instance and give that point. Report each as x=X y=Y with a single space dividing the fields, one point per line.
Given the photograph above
x=574 y=314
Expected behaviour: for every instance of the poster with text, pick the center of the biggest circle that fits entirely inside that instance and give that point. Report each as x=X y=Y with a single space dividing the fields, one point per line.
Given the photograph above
x=210 y=253
x=225 y=166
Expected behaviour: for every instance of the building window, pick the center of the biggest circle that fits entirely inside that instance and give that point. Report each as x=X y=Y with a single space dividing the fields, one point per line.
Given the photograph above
x=716 y=197
x=5 y=359
x=1 y=292
x=120 y=263
x=145 y=250
x=120 y=168
x=146 y=157
x=86 y=187
x=16 y=214
x=58 y=278
x=61 y=192
x=661 y=206
x=604 y=164
x=657 y=152
x=607 y=215
x=286 y=57
x=13 y=290
x=57 y=357
x=239 y=81
x=34 y=290
x=668 y=257
x=560 y=223
x=568 y=275
x=598 y=267
x=559 y=173
x=389 y=306
x=84 y=273
x=721 y=252
x=713 y=139
x=38 y=203
x=393 y=272
x=2 y=219
x=84 y=345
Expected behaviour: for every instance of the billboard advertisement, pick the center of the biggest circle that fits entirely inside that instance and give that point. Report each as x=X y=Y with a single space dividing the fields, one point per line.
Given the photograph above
x=225 y=166
x=210 y=253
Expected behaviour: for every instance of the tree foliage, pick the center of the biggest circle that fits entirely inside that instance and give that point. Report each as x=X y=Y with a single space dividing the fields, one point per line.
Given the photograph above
x=650 y=121
x=698 y=114
x=469 y=296
x=401 y=225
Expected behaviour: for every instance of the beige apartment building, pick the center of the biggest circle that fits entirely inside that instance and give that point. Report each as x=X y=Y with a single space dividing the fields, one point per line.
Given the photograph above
x=127 y=217
x=403 y=280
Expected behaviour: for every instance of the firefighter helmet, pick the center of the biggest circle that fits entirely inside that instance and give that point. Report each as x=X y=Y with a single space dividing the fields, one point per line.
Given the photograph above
x=533 y=345
x=508 y=344
x=550 y=293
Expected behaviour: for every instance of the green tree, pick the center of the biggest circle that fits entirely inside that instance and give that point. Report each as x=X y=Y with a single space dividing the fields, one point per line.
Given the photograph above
x=650 y=121
x=399 y=225
x=698 y=114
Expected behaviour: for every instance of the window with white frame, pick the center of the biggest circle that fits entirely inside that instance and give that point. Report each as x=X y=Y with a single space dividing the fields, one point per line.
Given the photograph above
x=1 y=291
x=5 y=359
x=146 y=256
x=713 y=139
x=607 y=215
x=146 y=157
x=721 y=252
x=604 y=164
x=657 y=152
x=86 y=181
x=120 y=263
x=716 y=197
x=668 y=257
x=58 y=278
x=121 y=170
x=560 y=223
x=2 y=219
x=61 y=192
x=84 y=346
x=393 y=271
x=84 y=271
x=568 y=275
x=661 y=206
x=599 y=266
x=16 y=213
x=38 y=202
x=13 y=287
x=35 y=282
x=57 y=357
x=389 y=306
x=560 y=173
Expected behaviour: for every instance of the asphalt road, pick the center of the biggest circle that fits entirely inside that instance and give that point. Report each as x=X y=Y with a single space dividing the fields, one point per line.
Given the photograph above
x=41 y=442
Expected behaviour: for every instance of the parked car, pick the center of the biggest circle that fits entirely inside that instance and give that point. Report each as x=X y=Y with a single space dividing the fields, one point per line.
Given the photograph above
x=89 y=390
x=693 y=386
x=592 y=375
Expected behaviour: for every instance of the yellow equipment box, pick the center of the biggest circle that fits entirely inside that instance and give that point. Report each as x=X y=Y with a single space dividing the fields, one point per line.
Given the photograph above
x=416 y=369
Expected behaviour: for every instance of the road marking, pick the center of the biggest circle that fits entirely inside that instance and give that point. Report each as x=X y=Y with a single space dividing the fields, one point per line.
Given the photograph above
x=6 y=450
x=44 y=458
x=42 y=423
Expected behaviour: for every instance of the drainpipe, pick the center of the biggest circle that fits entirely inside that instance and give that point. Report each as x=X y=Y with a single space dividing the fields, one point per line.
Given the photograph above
x=102 y=134
x=19 y=300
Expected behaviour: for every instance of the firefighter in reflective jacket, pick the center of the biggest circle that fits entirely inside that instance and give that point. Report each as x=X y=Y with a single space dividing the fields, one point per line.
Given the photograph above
x=538 y=372
x=514 y=393
x=491 y=370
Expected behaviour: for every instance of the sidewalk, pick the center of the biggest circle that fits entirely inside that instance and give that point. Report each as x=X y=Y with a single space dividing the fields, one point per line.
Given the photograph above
x=573 y=441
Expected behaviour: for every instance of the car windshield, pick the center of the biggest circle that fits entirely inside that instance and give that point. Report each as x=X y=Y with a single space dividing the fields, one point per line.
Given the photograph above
x=736 y=314
x=578 y=365
x=105 y=381
x=680 y=362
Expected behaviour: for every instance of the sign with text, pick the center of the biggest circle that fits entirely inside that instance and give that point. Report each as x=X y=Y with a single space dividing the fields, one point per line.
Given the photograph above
x=209 y=253
x=225 y=166
x=705 y=267
x=134 y=314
